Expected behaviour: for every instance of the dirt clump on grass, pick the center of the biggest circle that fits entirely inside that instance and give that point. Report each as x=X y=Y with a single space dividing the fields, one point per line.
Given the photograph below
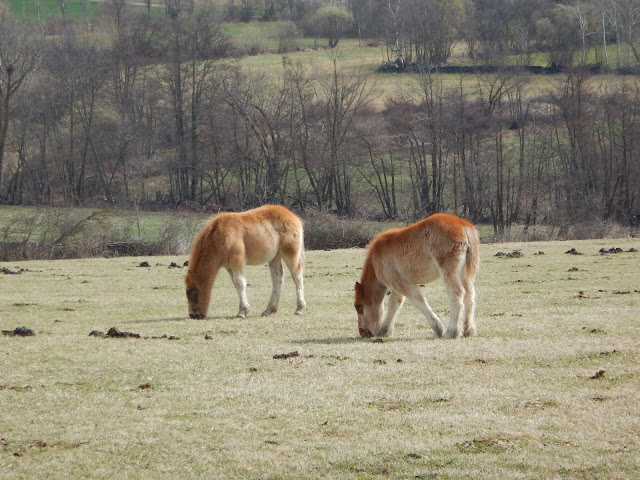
x=6 y=271
x=605 y=251
x=113 y=332
x=19 y=332
x=281 y=356
x=514 y=254
x=146 y=264
x=610 y=250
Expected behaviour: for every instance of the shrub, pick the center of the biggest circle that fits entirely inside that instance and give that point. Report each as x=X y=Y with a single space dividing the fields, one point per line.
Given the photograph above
x=50 y=233
x=287 y=36
x=324 y=231
x=332 y=22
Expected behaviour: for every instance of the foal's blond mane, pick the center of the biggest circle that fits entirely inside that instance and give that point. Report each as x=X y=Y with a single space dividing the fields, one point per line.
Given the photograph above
x=203 y=254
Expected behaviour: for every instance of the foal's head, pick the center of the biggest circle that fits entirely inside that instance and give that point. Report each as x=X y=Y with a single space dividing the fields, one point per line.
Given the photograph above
x=370 y=311
x=197 y=297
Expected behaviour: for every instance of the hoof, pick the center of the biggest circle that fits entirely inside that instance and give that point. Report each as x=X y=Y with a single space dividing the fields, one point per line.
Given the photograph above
x=385 y=333
x=196 y=316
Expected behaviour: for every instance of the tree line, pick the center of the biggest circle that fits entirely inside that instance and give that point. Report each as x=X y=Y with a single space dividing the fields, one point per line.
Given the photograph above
x=149 y=111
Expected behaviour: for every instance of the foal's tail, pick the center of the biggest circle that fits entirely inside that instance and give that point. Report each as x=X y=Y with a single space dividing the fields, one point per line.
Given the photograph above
x=472 y=261
x=301 y=257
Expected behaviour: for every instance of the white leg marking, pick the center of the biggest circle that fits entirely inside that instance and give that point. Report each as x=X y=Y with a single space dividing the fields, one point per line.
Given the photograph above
x=456 y=294
x=240 y=282
x=469 y=310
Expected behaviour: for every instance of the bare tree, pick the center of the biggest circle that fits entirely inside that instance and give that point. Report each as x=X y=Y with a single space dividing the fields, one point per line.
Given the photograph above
x=20 y=54
x=343 y=96
x=363 y=16
x=261 y=103
x=91 y=78
x=301 y=131
x=195 y=42
x=85 y=10
x=430 y=29
x=62 y=5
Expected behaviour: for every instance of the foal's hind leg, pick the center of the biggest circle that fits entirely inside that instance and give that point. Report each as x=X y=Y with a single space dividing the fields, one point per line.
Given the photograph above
x=452 y=273
x=296 y=267
x=277 y=278
x=469 y=309
x=456 y=293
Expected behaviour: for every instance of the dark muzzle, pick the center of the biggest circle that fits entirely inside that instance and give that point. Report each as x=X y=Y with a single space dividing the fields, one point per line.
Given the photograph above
x=365 y=333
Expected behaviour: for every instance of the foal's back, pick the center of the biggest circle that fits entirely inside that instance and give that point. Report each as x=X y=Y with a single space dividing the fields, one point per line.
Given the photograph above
x=259 y=233
x=416 y=251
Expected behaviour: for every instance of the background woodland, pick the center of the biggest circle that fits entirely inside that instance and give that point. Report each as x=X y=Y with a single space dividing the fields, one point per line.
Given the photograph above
x=503 y=111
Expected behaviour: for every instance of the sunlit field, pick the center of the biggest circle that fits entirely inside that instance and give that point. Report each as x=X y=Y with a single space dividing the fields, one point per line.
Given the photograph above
x=549 y=388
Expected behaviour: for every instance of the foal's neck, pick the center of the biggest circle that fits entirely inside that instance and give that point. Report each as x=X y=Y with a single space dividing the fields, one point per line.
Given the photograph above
x=205 y=266
x=373 y=287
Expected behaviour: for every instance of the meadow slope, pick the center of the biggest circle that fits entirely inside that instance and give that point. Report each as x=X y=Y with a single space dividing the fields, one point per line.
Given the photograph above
x=549 y=388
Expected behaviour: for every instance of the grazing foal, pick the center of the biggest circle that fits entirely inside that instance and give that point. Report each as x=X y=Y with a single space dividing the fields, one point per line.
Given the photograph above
x=268 y=234
x=399 y=259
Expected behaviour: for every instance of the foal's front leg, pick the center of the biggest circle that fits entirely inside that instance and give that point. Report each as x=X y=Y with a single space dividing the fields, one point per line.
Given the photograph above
x=395 y=304
x=416 y=297
x=240 y=282
x=277 y=278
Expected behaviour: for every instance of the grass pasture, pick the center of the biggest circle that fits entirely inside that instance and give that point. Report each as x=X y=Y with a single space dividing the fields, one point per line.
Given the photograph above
x=549 y=389
x=30 y=9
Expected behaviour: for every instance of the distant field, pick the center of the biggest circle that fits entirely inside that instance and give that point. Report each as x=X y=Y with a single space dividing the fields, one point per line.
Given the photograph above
x=549 y=389
x=360 y=57
x=29 y=9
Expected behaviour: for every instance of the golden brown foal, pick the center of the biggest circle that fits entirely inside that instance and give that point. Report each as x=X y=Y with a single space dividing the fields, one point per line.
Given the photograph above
x=268 y=234
x=399 y=259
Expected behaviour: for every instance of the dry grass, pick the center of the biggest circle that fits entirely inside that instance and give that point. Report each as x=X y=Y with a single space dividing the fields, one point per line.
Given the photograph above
x=516 y=402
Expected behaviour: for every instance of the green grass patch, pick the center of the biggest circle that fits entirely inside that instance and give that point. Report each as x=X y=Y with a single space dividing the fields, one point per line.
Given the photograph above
x=521 y=400
x=44 y=9
x=47 y=8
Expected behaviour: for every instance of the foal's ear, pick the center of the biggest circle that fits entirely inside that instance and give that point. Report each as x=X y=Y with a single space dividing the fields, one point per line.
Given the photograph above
x=358 y=288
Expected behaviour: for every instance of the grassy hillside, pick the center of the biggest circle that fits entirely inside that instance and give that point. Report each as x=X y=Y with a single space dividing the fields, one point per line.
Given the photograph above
x=549 y=388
